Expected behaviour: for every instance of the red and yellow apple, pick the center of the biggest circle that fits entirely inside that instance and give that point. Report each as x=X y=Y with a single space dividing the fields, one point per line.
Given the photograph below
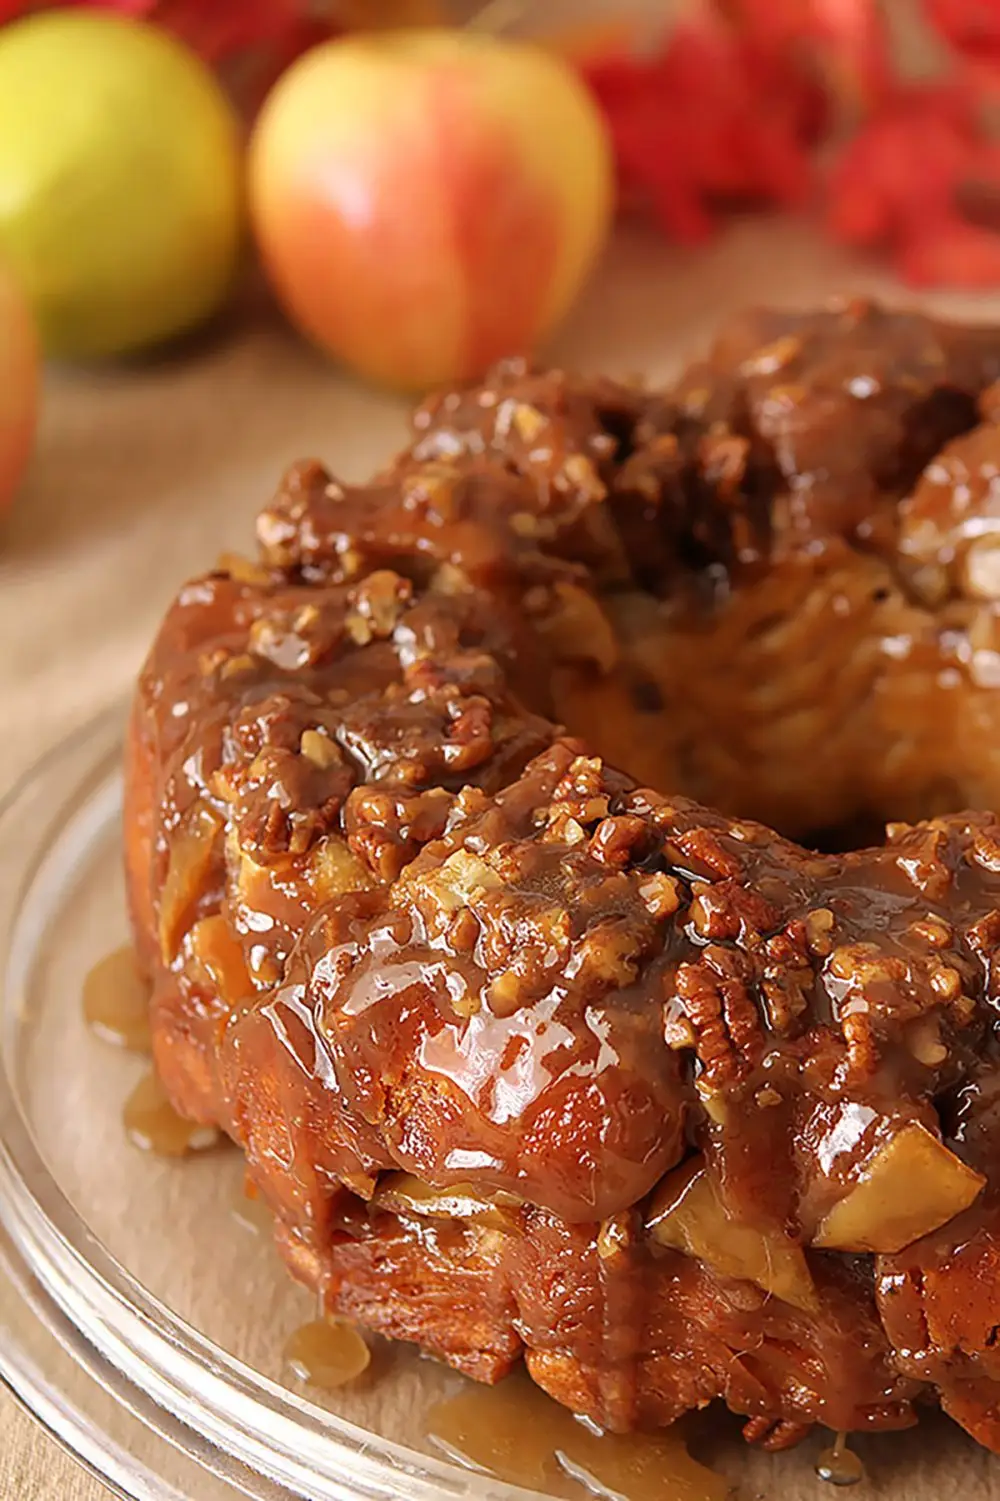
x=428 y=201
x=18 y=386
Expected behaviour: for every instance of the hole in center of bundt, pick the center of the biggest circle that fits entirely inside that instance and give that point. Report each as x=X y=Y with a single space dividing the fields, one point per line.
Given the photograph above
x=862 y=832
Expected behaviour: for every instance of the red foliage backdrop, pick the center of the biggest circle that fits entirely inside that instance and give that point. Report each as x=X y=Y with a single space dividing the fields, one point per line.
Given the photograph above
x=783 y=103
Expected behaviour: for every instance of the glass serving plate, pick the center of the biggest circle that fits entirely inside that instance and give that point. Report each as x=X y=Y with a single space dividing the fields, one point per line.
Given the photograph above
x=139 y=1320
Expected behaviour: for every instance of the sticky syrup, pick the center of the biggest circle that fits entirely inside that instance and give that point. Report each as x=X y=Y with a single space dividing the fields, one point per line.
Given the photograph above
x=501 y=1430
x=517 y=1434
x=327 y=1354
x=840 y=1465
x=639 y=1467
x=152 y=1124
x=116 y=1001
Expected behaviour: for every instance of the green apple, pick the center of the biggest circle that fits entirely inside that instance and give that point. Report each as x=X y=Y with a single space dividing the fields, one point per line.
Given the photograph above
x=120 y=181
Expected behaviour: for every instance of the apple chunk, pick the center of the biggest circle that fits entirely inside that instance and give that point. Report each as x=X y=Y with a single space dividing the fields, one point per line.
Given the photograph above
x=401 y=1193
x=911 y=1186
x=215 y=955
x=192 y=854
x=687 y=1214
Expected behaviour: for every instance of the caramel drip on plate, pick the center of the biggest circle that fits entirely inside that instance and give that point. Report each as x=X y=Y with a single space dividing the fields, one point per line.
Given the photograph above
x=517 y=1434
x=152 y=1124
x=116 y=1001
x=327 y=1354
x=839 y=1464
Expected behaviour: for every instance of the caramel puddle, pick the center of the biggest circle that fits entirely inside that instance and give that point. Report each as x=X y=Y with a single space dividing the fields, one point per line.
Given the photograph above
x=327 y=1354
x=840 y=1465
x=153 y=1125
x=517 y=1434
x=116 y=1001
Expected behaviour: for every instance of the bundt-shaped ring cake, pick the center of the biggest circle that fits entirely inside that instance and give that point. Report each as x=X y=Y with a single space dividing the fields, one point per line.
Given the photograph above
x=529 y=1060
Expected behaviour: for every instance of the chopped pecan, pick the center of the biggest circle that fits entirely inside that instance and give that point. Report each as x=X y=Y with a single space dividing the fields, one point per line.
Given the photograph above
x=715 y=996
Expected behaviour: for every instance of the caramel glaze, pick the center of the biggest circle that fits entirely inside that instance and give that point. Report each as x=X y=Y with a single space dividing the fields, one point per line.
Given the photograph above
x=398 y=920
x=116 y=1001
x=326 y=1355
x=153 y=1124
x=839 y=1464
x=513 y=1433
